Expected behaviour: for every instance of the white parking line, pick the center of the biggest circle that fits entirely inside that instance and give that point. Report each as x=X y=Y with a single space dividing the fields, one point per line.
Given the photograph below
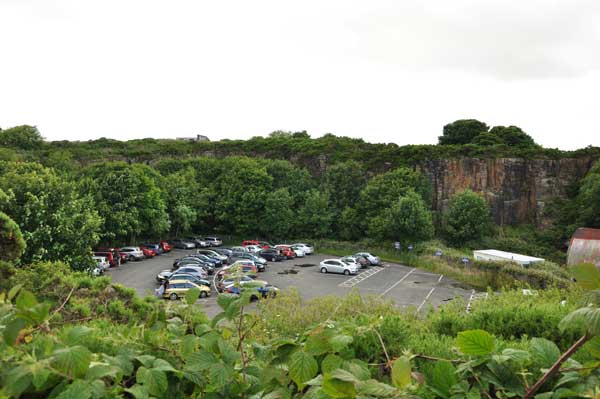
x=425 y=300
x=397 y=282
x=360 y=277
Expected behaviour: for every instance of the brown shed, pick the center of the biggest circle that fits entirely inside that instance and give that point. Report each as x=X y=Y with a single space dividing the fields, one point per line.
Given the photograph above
x=584 y=247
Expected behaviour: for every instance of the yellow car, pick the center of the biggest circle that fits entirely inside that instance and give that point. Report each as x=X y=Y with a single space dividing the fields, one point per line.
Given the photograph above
x=178 y=288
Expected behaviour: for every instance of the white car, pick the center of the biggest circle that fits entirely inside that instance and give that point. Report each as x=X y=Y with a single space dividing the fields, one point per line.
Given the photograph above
x=298 y=251
x=253 y=249
x=133 y=253
x=373 y=260
x=337 y=266
x=351 y=262
x=239 y=249
x=101 y=262
x=308 y=250
x=214 y=241
x=212 y=254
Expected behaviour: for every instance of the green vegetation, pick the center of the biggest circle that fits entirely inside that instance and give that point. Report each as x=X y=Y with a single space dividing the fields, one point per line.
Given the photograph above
x=472 y=131
x=468 y=218
x=509 y=345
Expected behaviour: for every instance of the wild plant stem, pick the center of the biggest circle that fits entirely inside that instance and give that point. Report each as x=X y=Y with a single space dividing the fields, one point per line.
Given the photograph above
x=556 y=366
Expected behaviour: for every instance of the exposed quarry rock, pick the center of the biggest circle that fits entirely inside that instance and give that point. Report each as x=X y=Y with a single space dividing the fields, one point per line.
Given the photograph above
x=516 y=189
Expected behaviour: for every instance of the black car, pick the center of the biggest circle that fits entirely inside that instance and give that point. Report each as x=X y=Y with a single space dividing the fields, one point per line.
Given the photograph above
x=224 y=251
x=272 y=254
x=206 y=258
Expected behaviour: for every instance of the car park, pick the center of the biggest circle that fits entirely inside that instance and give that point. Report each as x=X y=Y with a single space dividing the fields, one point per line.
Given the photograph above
x=337 y=266
x=133 y=253
x=101 y=262
x=179 y=288
x=214 y=241
x=272 y=254
x=373 y=260
x=183 y=244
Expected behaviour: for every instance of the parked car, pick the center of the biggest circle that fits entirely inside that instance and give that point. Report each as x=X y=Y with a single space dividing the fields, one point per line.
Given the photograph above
x=254 y=248
x=213 y=254
x=308 y=250
x=210 y=269
x=298 y=250
x=361 y=260
x=286 y=251
x=156 y=247
x=214 y=262
x=190 y=277
x=244 y=280
x=258 y=260
x=373 y=260
x=101 y=262
x=262 y=244
x=245 y=265
x=166 y=247
x=350 y=261
x=164 y=275
x=337 y=266
x=115 y=253
x=133 y=253
x=272 y=255
x=199 y=241
x=183 y=244
x=258 y=292
x=148 y=253
x=112 y=257
x=214 y=241
x=178 y=288
x=193 y=270
x=224 y=251
x=239 y=250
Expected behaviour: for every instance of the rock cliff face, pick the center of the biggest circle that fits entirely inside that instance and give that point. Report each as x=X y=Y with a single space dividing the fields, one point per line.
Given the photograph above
x=516 y=189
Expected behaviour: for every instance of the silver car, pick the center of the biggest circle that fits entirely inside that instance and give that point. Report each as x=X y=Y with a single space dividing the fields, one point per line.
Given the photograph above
x=133 y=253
x=373 y=260
x=337 y=266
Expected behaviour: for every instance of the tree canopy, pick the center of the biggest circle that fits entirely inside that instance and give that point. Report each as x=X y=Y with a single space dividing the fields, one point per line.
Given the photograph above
x=467 y=218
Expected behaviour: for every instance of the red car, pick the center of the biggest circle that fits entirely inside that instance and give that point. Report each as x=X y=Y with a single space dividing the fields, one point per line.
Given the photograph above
x=113 y=256
x=286 y=251
x=165 y=246
x=262 y=244
x=148 y=253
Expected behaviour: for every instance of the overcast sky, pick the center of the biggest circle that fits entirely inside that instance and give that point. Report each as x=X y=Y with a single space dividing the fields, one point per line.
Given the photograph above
x=383 y=70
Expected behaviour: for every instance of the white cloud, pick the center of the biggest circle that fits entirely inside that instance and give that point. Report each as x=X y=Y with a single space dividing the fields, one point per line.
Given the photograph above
x=381 y=70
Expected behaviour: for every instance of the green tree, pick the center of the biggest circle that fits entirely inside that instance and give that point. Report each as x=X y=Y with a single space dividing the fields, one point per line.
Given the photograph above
x=56 y=221
x=467 y=218
x=22 y=137
x=129 y=200
x=351 y=226
x=286 y=175
x=587 y=202
x=408 y=220
x=182 y=191
x=487 y=139
x=462 y=131
x=11 y=239
x=314 y=216
x=343 y=183
x=241 y=191
x=387 y=188
x=513 y=136
x=278 y=221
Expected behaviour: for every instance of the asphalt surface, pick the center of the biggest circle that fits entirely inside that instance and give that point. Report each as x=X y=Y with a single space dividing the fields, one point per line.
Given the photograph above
x=406 y=286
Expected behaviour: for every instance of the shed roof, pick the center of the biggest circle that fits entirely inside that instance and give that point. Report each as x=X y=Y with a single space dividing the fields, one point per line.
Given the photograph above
x=508 y=255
